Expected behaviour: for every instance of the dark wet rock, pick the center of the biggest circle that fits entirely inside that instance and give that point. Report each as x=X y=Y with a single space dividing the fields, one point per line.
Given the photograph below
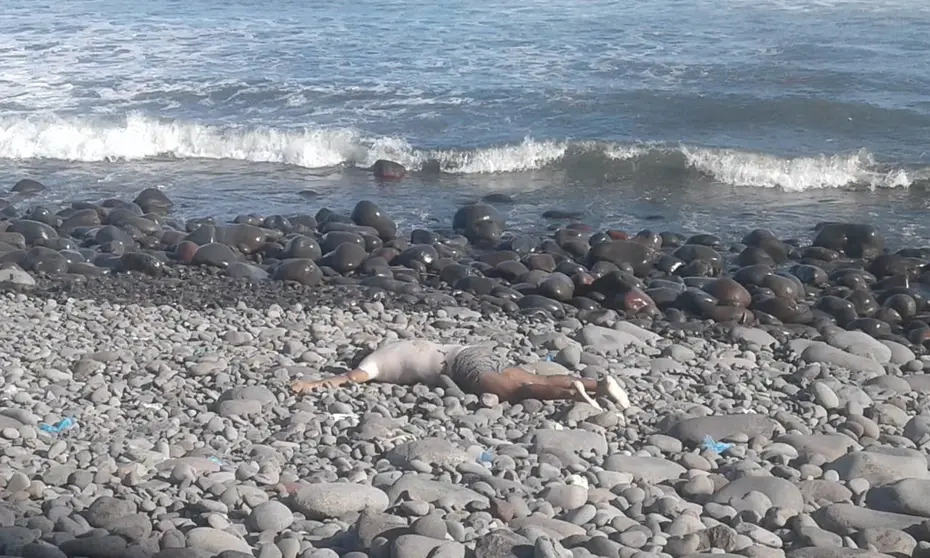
x=33 y=231
x=768 y=242
x=141 y=263
x=281 y=223
x=637 y=257
x=368 y=214
x=559 y=214
x=80 y=218
x=334 y=239
x=841 y=309
x=728 y=292
x=27 y=187
x=45 y=260
x=246 y=239
x=498 y=197
x=419 y=255
x=214 y=254
x=302 y=247
x=482 y=224
x=300 y=270
x=557 y=287
x=810 y=274
x=904 y=304
x=855 y=240
x=203 y=234
x=347 y=257
x=690 y=253
x=784 y=286
x=752 y=255
x=873 y=326
x=388 y=170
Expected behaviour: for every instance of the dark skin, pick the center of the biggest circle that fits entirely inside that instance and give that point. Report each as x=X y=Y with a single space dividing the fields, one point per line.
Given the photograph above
x=511 y=385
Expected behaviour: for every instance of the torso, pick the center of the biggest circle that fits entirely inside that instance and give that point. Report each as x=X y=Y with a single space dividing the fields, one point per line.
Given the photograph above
x=409 y=362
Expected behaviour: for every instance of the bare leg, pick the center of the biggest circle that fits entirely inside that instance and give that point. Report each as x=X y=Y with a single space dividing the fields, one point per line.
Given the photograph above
x=355 y=377
x=607 y=387
x=511 y=385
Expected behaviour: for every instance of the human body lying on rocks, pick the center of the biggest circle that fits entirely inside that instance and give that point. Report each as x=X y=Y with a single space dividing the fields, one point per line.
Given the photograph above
x=475 y=369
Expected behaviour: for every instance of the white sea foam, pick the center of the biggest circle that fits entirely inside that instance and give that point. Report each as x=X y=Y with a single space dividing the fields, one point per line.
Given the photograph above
x=139 y=137
x=793 y=174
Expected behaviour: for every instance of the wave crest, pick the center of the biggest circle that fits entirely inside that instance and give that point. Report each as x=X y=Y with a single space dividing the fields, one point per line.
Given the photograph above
x=137 y=137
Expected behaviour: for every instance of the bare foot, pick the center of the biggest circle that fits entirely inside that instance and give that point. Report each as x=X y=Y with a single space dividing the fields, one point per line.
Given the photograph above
x=583 y=395
x=608 y=387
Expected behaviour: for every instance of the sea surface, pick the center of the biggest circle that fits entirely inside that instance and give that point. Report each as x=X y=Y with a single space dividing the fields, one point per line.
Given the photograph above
x=689 y=115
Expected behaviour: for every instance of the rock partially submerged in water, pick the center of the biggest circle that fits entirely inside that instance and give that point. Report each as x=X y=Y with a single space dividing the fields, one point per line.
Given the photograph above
x=388 y=170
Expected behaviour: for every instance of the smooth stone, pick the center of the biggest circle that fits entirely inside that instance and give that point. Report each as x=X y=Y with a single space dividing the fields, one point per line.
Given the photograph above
x=214 y=254
x=302 y=247
x=242 y=270
x=860 y=343
x=15 y=277
x=435 y=451
x=830 y=446
x=569 y=441
x=906 y=496
x=604 y=340
x=299 y=270
x=427 y=490
x=270 y=516
x=153 y=200
x=721 y=427
x=881 y=465
x=846 y=519
x=621 y=253
x=368 y=214
x=480 y=223
x=215 y=541
x=781 y=492
x=819 y=351
x=330 y=500
x=347 y=257
x=651 y=469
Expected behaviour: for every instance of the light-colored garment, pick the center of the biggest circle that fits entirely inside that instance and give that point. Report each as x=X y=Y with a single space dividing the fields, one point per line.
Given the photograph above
x=419 y=361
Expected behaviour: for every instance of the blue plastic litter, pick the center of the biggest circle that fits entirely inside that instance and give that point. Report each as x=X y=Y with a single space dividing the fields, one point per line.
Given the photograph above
x=549 y=358
x=485 y=457
x=64 y=424
x=716 y=447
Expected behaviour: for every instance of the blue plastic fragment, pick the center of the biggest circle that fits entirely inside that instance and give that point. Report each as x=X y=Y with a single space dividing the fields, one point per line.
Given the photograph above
x=716 y=447
x=485 y=457
x=64 y=424
x=549 y=358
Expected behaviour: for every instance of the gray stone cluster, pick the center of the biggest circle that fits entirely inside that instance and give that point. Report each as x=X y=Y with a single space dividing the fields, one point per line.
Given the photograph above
x=186 y=442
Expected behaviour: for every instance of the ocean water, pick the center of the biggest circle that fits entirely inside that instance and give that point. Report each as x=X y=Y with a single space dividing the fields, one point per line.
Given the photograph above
x=690 y=115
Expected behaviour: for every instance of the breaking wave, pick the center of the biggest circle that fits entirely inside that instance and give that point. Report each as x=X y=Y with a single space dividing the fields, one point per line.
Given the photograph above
x=139 y=137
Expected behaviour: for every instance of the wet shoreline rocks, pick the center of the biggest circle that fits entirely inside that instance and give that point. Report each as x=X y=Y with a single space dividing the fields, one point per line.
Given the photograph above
x=778 y=408
x=844 y=278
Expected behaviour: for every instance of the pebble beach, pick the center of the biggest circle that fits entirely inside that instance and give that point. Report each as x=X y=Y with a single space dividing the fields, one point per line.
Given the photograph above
x=779 y=400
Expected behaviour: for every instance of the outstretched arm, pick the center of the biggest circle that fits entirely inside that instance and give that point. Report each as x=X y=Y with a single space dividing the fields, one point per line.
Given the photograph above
x=355 y=377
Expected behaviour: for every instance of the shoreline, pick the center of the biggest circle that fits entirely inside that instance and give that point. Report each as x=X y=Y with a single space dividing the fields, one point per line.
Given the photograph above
x=756 y=439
